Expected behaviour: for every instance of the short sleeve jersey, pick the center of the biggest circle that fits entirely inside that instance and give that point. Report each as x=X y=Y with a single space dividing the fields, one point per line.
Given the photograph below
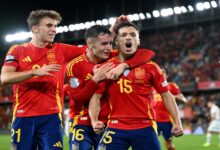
x=39 y=95
x=79 y=71
x=130 y=97
x=161 y=113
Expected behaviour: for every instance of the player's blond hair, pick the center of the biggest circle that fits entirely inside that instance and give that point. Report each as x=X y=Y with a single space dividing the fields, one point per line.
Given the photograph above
x=36 y=15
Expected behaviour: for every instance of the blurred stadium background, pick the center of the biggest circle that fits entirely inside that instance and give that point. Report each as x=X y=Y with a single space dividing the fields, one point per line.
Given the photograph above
x=185 y=35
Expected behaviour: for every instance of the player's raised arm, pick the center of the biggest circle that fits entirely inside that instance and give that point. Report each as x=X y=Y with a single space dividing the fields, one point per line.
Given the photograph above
x=119 y=19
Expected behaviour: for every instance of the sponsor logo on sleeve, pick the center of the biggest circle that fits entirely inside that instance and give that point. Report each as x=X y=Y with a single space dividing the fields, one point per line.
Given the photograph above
x=9 y=57
x=126 y=72
x=164 y=83
x=74 y=82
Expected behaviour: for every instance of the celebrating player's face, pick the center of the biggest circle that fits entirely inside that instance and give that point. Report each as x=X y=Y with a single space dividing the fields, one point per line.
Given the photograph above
x=128 y=40
x=102 y=46
x=46 y=30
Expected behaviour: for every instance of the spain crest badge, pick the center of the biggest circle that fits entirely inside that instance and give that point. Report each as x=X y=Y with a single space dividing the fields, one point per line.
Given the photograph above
x=139 y=73
x=51 y=57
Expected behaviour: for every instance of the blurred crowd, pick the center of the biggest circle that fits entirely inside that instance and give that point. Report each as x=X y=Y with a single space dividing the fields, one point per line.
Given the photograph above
x=190 y=55
x=195 y=113
x=5 y=107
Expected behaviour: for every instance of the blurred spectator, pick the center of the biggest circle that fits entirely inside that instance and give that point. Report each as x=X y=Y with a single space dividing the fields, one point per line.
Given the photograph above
x=189 y=55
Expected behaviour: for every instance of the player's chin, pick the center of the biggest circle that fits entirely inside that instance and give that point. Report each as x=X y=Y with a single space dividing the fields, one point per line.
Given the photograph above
x=105 y=57
x=129 y=51
x=50 y=40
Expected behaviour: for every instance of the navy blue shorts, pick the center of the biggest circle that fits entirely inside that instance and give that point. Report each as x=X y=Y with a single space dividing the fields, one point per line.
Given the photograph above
x=165 y=128
x=139 y=139
x=44 y=132
x=84 y=138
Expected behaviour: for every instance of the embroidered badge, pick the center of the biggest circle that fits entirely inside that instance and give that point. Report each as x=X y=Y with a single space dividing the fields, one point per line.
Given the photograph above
x=139 y=73
x=51 y=57
x=126 y=72
x=74 y=82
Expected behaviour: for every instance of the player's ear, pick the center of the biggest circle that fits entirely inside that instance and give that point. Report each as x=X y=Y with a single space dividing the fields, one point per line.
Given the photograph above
x=116 y=41
x=34 y=29
x=89 y=42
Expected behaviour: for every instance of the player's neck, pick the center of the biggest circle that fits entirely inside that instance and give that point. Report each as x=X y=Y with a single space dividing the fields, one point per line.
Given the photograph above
x=123 y=57
x=39 y=43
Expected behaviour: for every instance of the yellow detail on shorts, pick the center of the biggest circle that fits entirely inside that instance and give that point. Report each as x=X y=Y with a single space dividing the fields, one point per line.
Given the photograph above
x=107 y=137
x=58 y=144
x=79 y=134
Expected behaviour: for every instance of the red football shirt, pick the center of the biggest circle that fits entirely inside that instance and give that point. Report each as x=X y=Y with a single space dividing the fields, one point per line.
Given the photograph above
x=161 y=113
x=39 y=95
x=79 y=71
x=67 y=92
x=130 y=97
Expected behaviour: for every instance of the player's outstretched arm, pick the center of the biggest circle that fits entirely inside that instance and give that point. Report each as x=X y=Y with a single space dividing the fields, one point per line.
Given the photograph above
x=10 y=75
x=171 y=106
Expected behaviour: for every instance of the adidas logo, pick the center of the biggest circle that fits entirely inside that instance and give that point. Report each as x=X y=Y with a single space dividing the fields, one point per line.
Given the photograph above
x=88 y=77
x=58 y=144
x=27 y=59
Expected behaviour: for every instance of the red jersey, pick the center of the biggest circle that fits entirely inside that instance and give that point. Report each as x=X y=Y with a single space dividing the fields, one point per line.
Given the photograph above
x=40 y=95
x=67 y=92
x=79 y=71
x=130 y=97
x=161 y=113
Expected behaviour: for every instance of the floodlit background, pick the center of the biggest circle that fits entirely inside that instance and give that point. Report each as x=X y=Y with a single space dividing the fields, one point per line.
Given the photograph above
x=184 y=34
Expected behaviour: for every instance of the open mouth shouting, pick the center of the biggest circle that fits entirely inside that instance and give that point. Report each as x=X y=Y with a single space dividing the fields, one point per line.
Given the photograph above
x=128 y=44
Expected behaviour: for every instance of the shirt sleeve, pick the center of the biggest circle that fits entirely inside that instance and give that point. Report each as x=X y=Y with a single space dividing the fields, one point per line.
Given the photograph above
x=83 y=95
x=101 y=89
x=158 y=80
x=174 y=89
x=12 y=56
x=141 y=57
x=72 y=51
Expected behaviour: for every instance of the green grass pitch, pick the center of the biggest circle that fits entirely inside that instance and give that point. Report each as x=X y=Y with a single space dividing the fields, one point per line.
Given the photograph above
x=187 y=142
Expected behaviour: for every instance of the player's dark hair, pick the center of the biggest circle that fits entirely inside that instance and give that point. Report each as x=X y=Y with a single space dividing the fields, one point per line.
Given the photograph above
x=96 y=30
x=36 y=15
x=124 y=24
